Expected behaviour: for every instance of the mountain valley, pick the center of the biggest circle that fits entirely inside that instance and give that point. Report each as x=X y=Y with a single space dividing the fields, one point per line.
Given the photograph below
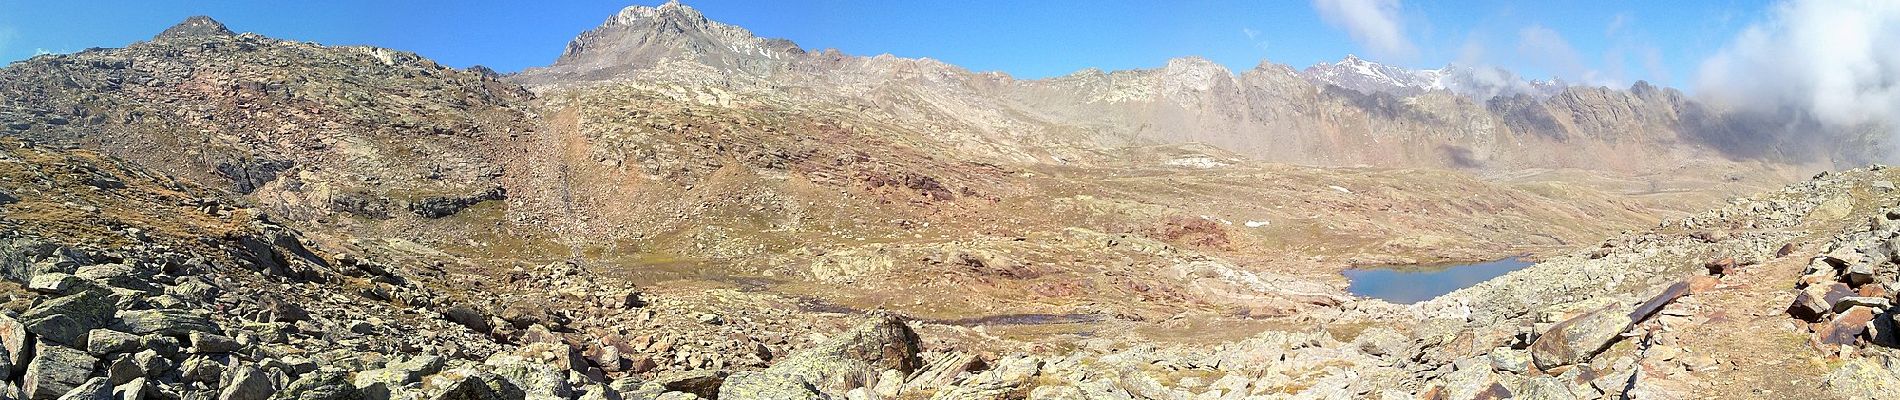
x=678 y=209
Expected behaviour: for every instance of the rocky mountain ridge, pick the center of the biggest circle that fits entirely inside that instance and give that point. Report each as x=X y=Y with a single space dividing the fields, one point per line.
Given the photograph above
x=1270 y=113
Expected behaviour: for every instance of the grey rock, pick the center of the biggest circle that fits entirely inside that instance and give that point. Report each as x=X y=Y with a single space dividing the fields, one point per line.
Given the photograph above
x=382 y=383
x=124 y=369
x=54 y=283
x=94 y=389
x=164 y=345
x=468 y=317
x=202 y=342
x=538 y=380
x=55 y=370
x=1878 y=303
x=325 y=384
x=245 y=383
x=1510 y=360
x=13 y=338
x=1578 y=339
x=1010 y=375
x=154 y=363
x=104 y=342
x=137 y=389
x=702 y=383
x=173 y=323
x=753 y=385
x=1862 y=378
x=118 y=276
x=282 y=311
x=468 y=384
x=1859 y=273
x=67 y=319
x=438 y=207
x=1382 y=341
x=844 y=362
x=201 y=368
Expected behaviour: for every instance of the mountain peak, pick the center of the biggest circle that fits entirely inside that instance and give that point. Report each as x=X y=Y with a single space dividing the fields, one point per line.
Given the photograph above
x=640 y=37
x=195 y=26
x=672 y=12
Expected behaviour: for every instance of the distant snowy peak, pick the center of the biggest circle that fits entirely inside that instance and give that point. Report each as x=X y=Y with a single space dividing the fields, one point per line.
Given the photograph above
x=1370 y=77
x=1480 y=83
x=1485 y=82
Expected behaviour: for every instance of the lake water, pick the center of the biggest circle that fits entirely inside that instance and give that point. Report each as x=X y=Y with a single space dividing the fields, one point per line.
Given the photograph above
x=1412 y=284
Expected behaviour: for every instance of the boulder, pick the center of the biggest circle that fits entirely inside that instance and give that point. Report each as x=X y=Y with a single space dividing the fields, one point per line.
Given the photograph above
x=1859 y=273
x=137 y=389
x=381 y=383
x=55 y=370
x=324 y=384
x=1877 y=303
x=469 y=384
x=118 y=276
x=1577 y=339
x=283 y=311
x=753 y=385
x=539 y=380
x=93 y=389
x=201 y=368
x=173 y=323
x=847 y=361
x=67 y=319
x=54 y=283
x=245 y=382
x=104 y=342
x=1810 y=304
x=702 y=383
x=1510 y=360
x=1862 y=378
x=942 y=369
x=13 y=338
x=203 y=342
x=1845 y=329
x=468 y=317
x=1006 y=380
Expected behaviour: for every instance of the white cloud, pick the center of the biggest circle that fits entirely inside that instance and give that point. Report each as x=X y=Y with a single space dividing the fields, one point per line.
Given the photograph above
x=1618 y=23
x=1254 y=36
x=41 y=52
x=1832 y=58
x=1374 y=24
x=1548 y=49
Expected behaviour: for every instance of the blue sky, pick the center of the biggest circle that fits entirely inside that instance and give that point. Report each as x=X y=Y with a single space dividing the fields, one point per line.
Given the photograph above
x=1606 y=42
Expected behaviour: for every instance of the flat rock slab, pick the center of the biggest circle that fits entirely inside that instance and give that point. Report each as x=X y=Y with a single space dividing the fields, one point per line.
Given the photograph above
x=1845 y=328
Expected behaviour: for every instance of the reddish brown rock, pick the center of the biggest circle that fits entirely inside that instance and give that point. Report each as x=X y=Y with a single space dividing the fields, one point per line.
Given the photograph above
x=1844 y=329
x=1873 y=291
x=1808 y=306
x=1702 y=284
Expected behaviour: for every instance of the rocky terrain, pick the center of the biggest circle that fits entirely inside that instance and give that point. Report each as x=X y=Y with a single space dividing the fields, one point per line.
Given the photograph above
x=678 y=209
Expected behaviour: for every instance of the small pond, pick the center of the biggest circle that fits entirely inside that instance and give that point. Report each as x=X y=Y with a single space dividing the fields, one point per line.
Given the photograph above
x=1412 y=284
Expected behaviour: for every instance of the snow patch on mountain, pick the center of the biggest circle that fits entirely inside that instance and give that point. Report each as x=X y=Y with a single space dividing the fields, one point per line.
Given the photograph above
x=1481 y=83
